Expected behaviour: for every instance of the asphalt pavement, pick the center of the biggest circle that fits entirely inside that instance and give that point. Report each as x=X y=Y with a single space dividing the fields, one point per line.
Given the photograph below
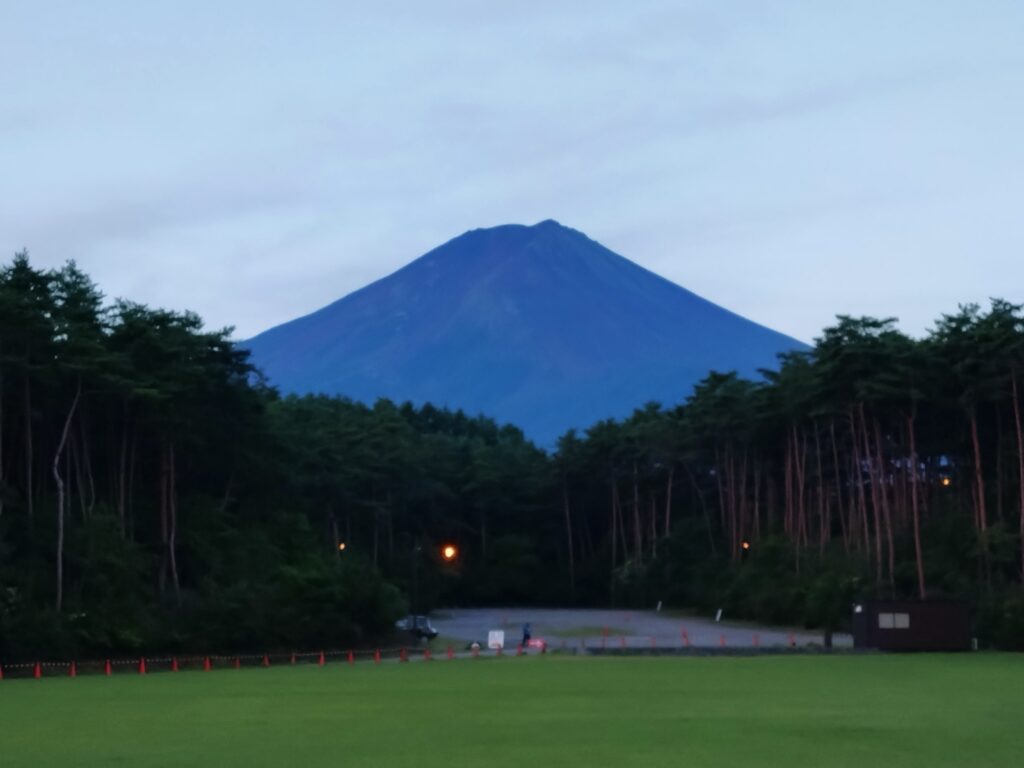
x=568 y=628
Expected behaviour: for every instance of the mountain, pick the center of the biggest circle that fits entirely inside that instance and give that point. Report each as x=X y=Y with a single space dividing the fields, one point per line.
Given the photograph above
x=539 y=326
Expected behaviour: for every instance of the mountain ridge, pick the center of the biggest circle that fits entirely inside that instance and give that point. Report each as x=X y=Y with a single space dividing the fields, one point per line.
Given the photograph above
x=536 y=325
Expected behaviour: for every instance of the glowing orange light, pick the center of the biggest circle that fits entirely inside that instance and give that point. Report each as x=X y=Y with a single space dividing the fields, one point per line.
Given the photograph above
x=946 y=481
x=341 y=546
x=449 y=552
x=746 y=545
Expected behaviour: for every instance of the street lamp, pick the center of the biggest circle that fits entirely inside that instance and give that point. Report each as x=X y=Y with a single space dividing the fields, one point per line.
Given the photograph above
x=449 y=552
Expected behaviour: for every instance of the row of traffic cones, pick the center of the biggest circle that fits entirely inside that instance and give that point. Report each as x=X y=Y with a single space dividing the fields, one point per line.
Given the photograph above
x=108 y=670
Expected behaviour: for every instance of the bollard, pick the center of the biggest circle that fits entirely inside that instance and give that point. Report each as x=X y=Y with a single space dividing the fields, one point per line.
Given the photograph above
x=106 y=669
x=73 y=670
x=206 y=664
x=174 y=664
x=519 y=649
x=323 y=659
x=266 y=660
x=37 y=671
x=451 y=653
x=376 y=656
x=1 y=671
x=351 y=658
x=142 y=666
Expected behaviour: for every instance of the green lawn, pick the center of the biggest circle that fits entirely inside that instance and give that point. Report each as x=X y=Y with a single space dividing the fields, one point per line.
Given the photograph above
x=547 y=712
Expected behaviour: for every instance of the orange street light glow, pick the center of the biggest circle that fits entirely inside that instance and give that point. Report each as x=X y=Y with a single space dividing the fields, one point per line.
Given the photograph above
x=448 y=552
x=946 y=481
x=746 y=545
x=341 y=546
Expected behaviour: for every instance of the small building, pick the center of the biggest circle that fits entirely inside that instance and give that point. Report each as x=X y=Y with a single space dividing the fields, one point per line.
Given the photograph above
x=912 y=625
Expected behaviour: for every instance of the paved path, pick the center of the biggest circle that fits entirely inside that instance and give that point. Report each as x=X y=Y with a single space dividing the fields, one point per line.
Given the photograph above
x=634 y=629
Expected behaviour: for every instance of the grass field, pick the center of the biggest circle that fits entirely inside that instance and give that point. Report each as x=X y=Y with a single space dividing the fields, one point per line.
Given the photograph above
x=552 y=711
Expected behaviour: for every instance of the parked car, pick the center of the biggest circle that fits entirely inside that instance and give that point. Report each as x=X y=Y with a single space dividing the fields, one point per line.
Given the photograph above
x=417 y=626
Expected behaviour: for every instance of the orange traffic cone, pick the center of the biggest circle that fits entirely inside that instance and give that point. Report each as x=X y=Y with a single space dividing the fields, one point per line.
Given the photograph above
x=238 y=662
x=323 y=660
x=142 y=666
x=107 y=669
x=207 y=666
x=351 y=658
x=403 y=655
x=174 y=664
x=266 y=660
x=73 y=670
x=37 y=671
x=451 y=652
x=376 y=656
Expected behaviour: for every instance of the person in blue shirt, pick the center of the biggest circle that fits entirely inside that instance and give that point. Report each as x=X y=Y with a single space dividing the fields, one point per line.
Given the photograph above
x=526 y=635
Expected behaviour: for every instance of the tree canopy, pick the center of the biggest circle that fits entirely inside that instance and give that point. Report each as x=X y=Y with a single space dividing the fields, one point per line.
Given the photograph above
x=156 y=493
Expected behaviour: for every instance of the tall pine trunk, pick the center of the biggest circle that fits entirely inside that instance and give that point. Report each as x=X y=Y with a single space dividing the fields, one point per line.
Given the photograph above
x=1 y=439
x=668 y=499
x=164 y=521
x=29 y=451
x=122 y=474
x=884 y=496
x=172 y=504
x=568 y=537
x=914 y=510
x=875 y=502
x=637 y=525
x=1020 y=464
x=59 y=603
x=979 y=486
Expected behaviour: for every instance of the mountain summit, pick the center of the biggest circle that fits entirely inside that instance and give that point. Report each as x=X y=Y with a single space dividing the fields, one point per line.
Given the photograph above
x=538 y=326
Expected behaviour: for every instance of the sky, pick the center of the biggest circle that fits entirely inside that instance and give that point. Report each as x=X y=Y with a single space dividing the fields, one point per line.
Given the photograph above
x=254 y=161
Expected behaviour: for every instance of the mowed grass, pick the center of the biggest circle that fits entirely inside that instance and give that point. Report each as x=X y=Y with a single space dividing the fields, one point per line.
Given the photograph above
x=813 y=711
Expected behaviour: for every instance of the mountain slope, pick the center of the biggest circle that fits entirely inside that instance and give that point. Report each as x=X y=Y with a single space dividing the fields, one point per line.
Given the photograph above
x=539 y=326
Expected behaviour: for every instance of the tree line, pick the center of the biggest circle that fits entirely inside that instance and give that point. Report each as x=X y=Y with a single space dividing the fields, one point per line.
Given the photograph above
x=157 y=494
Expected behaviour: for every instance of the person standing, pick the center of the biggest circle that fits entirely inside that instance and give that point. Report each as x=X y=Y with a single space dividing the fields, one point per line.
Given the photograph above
x=526 y=635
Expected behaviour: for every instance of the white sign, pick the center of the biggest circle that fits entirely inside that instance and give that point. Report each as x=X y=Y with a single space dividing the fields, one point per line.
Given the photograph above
x=496 y=639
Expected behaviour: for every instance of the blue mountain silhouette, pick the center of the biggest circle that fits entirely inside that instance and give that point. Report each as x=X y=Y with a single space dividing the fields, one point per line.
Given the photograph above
x=538 y=326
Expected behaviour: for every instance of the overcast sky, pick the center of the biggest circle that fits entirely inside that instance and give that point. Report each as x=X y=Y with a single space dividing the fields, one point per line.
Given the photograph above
x=254 y=161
